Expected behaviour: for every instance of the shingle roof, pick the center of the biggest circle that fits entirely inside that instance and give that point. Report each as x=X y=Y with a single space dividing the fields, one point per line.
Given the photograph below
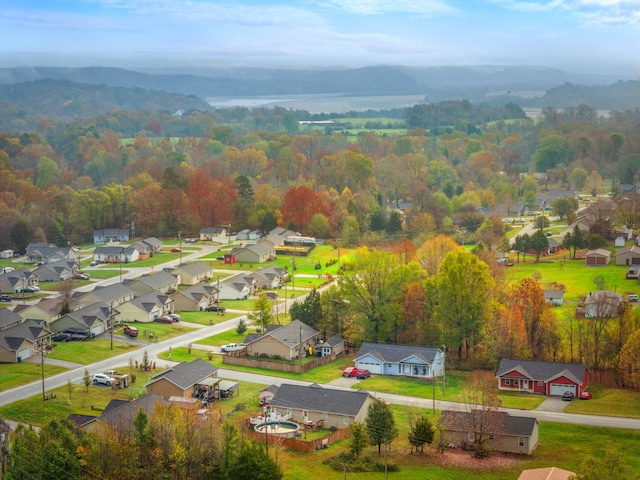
x=292 y=333
x=198 y=291
x=7 y=317
x=119 y=413
x=13 y=337
x=195 y=268
x=390 y=353
x=186 y=374
x=501 y=423
x=633 y=249
x=115 y=291
x=543 y=371
x=320 y=399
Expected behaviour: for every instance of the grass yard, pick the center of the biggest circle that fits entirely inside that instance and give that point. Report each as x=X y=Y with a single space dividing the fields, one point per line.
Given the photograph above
x=89 y=351
x=16 y=374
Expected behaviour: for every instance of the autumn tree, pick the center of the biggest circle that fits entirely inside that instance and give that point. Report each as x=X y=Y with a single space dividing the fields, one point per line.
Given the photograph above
x=627 y=211
x=405 y=251
x=300 y=205
x=433 y=251
x=261 y=317
x=504 y=336
x=482 y=404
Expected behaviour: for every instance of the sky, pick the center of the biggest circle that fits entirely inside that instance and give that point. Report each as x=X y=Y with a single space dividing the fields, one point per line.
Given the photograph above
x=585 y=36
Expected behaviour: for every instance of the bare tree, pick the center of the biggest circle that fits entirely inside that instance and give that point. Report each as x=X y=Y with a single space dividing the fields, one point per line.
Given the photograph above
x=482 y=405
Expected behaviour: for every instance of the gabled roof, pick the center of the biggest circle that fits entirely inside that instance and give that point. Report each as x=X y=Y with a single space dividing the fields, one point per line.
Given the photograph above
x=110 y=231
x=109 y=293
x=195 y=268
x=198 y=291
x=292 y=333
x=152 y=242
x=186 y=374
x=553 y=293
x=548 y=473
x=502 y=423
x=8 y=317
x=151 y=300
x=333 y=341
x=121 y=413
x=260 y=248
x=543 y=371
x=633 y=249
x=599 y=252
x=13 y=337
x=320 y=399
x=36 y=245
x=390 y=353
x=91 y=314
x=157 y=280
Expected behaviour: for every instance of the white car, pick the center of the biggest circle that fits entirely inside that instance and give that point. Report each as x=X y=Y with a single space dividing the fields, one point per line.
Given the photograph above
x=232 y=347
x=103 y=379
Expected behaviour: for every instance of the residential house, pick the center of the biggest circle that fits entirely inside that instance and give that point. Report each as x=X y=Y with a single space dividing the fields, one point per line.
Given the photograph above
x=390 y=359
x=270 y=277
x=255 y=235
x=547 y=473
x=113 y=295
x=21 y=341
x=278 y=236
x=603 y=304
x=46 y=310
x=9 y=318
x=554 y=297
x=94 y=319
x=287 y=342
x=37 y=245
x=195 y=298
x=260 y=252
x=162 y=282
x=507 y=433
x=211 y=233
x=243 y=235
x=315 y=403
x=116 y=254
x=154 y=244
x=144 y=250
x=238 y=287
x=110 y=235
x=57 y=271
x=598 y=257
x=53 y=254
x=193 y=273
x=119 y=415
x=145 y=308
x=628 y=256
x=16 y=281
x=6 y=253
x=187 y=379
x=333 y=345
x=546 y=378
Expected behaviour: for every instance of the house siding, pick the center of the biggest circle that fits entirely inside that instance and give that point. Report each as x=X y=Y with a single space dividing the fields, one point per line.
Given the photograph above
x=166 y=389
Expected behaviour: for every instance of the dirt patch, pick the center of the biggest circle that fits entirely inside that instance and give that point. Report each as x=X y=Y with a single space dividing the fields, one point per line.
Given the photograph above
x=458 y=458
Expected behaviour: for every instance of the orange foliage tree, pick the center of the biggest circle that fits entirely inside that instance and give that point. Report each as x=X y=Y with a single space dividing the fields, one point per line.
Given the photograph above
x=300 y=205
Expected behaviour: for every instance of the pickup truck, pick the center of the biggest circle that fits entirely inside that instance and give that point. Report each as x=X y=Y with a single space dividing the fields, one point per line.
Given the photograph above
x=232 y=347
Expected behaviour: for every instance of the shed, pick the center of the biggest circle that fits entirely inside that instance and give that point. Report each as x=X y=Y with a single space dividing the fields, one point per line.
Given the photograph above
x=619 y=241
x=6 y=254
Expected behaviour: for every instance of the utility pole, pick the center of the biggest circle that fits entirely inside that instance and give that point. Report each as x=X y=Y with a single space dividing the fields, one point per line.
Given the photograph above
x=111 y=322
x=42 y=370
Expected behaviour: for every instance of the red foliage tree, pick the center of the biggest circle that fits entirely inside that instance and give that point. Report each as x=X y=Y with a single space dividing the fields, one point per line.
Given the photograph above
x=300 y=205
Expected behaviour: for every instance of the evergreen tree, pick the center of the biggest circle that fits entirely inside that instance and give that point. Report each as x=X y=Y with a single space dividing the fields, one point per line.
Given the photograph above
x=380 y=424
x=309 y=311
x=422 y=432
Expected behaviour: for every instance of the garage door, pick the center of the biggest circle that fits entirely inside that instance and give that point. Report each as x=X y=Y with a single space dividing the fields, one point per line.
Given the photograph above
x=97 y=330
x=25 y=353
x=635 y=261
x=559 y=389
x=372 y=367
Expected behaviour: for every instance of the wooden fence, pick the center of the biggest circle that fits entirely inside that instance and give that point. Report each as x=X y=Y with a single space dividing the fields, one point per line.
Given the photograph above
x=265 y=363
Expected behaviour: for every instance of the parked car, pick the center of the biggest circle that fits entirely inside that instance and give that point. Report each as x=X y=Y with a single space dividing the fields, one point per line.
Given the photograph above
x=131 y=331
x=568 y=396
x=61 y=337
x=363 y=374
x=272 y=295
x=220 y=258
x=585 y=396
x=93 y=264
x=79 y=335
x=101 y=378
x=81 y=276
x=174 y=316
x=232 y=347
x=350 y=372
x=163 y=319
x=5 y=298
x=32 y=289
x=176 y=249
x=215 y=308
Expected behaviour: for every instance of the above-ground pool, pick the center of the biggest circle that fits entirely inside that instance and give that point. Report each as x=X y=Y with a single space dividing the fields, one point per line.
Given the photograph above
x=283 y=429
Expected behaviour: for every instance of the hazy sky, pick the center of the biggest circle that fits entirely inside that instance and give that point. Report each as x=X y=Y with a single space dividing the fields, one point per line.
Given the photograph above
x=578 y=35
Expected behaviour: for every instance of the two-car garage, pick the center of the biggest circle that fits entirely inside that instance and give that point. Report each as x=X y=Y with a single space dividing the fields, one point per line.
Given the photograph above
x=560 y=388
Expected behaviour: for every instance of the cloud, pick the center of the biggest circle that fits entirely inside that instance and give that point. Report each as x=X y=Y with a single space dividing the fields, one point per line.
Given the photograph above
x=587 y=12
x=379 y=7
x=58 y=21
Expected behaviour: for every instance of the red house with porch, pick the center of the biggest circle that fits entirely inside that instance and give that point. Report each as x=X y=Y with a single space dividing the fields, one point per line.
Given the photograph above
x=546 y=378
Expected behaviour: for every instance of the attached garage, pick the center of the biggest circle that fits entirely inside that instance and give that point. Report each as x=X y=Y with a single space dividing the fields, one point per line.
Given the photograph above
x=25 y=353
x=373 y=367
x=560 y=388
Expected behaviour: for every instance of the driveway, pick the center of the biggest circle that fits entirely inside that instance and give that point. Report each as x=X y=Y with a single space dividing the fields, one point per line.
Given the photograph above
x=552 y=404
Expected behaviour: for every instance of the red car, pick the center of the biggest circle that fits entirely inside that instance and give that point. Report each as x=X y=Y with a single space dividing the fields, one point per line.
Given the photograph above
x=131 y=331
x=163 y=319
x=585 y=396
x=350 y=372
x=176 y=249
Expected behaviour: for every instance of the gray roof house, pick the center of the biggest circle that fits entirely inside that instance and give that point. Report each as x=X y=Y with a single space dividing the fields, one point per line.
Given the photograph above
x=93 y=318
x=554 y=297
x=194 y=298
x=145 y=308
x=192 y=273
x=21 y=341
x=119 y=414
x=51 y=254
x=237 y=287
x=315 y=403
x=108 y=235
x=506 y=433
x=390 y=359
x=546 y=378
x=269 y=277
x=603 y=304
x=116 y=254
x=114 y=295
x=182 y=380
x=8 y=318
x=161 y=281
x=16 y=281
x=260 y=252
x=56 y=271
x=209 y=233
x=286 y=341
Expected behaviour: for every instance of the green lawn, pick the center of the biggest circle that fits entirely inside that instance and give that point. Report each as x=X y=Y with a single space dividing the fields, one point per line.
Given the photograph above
x=89 y=351
x=16 y=374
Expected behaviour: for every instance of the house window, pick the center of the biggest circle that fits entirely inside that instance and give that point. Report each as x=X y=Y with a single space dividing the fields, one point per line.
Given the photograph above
x=471 y=437
x=325 y=417
x=289 y=411
x=516 y=382
x=507 y=381
x=345 y=420
x=305 y=414
x=521 y=441
x=540 y=383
